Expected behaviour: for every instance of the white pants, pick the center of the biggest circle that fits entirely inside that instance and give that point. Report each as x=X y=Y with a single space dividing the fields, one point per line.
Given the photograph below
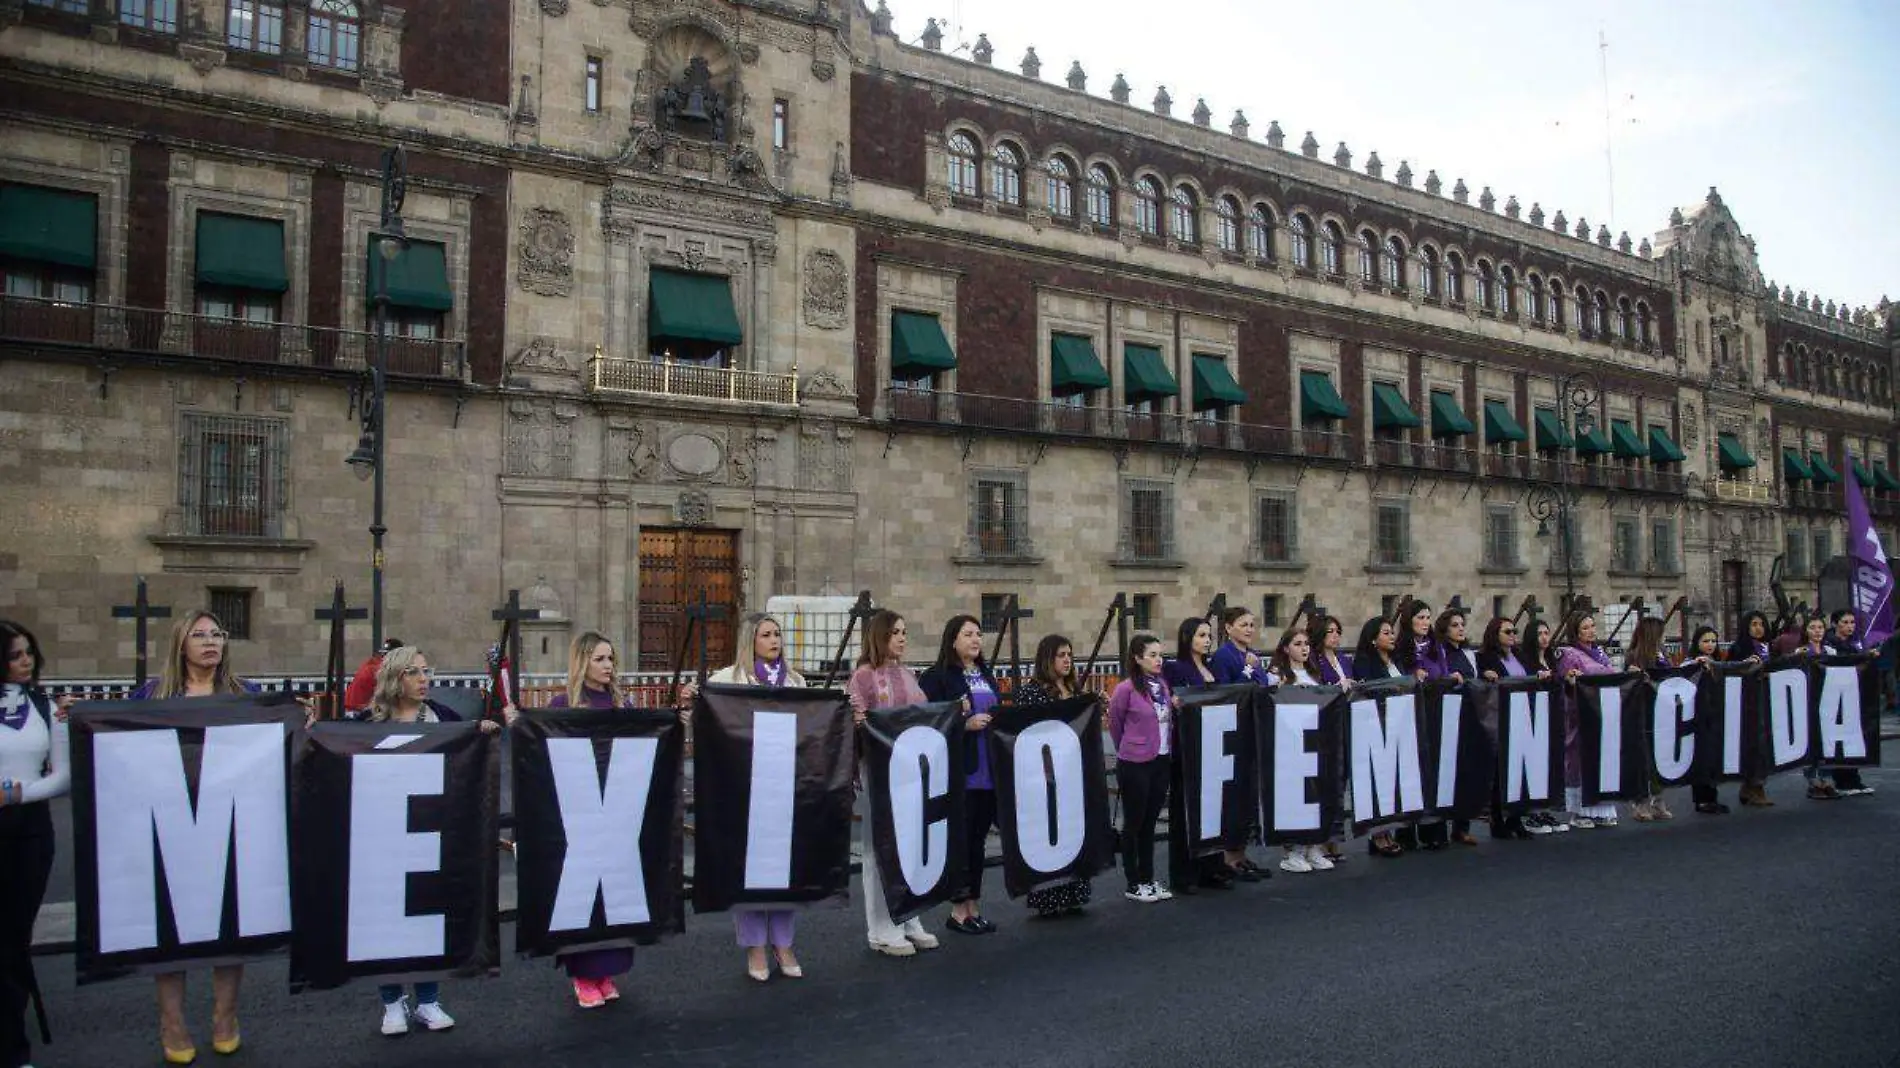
x=877 y=918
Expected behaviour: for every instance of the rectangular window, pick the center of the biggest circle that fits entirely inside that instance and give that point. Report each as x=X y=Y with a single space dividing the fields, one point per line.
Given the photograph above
x=1823 y=550
x=990 y=615
x=1392 y=535
x=1625 y=547
x=254 y=26
x=70 y=7
x=232 y=475
x=998 y=523
x=1387 y=604
x=1270 y=610
x=1578 y=561
x=1794 y=563
x=1500 y=537
x=232 y=606
x=594 y=72
x=1497 y=605
x=1141 y=611
x=334 y=35
x=781 y=124
x=1276 y=534
x=46 y=281
x=1147 y=520
x=1662 y=546
x=159 y=16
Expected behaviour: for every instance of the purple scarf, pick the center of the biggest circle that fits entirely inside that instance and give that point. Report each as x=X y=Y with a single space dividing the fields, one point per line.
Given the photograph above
x=769 y=674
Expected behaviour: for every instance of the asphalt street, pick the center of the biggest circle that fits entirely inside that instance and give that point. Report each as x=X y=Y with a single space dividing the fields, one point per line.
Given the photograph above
x=1763 y=938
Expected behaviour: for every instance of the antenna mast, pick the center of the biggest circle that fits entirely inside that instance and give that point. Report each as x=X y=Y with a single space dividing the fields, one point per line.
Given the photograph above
x=1609 y=164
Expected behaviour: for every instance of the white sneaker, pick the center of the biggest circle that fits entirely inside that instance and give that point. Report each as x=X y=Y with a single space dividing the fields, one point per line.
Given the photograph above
x=1295 y=862
x=922 y=939
x=1160 y=893
x=430 y=1015
x=895 y=949
x=1582 y=823
x=1606 y=821
x=1537 y=825
x=1316 y=856
x=1142 y=893
x=396 y=1018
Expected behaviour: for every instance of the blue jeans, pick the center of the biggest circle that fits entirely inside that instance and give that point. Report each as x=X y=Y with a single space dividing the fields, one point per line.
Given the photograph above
x=426 y=993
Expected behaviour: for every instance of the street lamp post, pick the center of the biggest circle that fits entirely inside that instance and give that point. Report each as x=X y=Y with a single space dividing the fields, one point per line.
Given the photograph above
x=388 y=242
x=1577 y=395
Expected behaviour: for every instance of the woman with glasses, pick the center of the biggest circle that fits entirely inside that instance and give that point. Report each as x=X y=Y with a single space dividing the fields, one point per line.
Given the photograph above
x=1498 y=659
x=33 y=771
x=196 y=665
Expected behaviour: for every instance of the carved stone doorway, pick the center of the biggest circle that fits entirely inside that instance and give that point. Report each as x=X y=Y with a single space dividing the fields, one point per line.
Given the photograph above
x=676 y=564
x=1734 y=599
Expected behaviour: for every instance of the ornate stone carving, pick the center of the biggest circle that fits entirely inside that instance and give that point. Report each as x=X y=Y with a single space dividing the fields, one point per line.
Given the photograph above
x=694 y=254
x=541 y=357
x=540 y=438
x=1691 y=427
x=546 y=253
x=824 y=457
x=823 y=385
x=556 y=8
x=694 y=509
x=697 y=207
x=827 y=297
x=823 y=69
x=748 y=454
x=695 y=457
x=840 y=175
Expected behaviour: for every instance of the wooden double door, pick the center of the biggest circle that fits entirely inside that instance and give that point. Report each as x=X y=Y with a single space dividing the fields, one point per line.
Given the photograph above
x=677 y=566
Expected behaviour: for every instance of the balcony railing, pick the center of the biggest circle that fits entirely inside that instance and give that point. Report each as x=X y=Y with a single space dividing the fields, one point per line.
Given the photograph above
x=671 y=378
x=121 y=328
x=1817 y=499
x=1743 y=491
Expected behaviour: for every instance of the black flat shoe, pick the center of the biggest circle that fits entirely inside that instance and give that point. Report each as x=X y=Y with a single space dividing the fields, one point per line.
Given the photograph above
x=1712 y=808
x=968 y=927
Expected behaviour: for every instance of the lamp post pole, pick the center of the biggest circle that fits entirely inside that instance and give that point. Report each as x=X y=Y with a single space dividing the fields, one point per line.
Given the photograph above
x=1577 y=394
x=388 y=241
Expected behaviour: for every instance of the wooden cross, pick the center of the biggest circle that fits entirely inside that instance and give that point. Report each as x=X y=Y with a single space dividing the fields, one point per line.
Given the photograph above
x=861 y=610
x=510 y=616
x=139 y=611
x=1012 y=611
x=697 y=616
x=337 y=614
x=1117 y=610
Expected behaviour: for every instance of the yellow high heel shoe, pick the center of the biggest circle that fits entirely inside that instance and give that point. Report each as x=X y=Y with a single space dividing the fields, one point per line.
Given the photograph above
x=227 y=1046
x=180 y=1056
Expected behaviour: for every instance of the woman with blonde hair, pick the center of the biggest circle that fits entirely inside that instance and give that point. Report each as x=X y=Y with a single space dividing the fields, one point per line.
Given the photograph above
x=196 y=665
x=759 y=660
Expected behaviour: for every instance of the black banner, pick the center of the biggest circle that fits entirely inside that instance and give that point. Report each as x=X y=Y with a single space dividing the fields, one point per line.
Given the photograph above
x=181 y=831
x=1612 y=735
x=1731 y=724
x=1051 y=793
x=1676 y=698
x=915 y=782
x=1846 y=711
x=1300 y=739
x=394 y=853
x=1386 y=744
x=1214 y=732
x=772 y=796
x=1458 y=746
x=1530 y=743
x=599 y=809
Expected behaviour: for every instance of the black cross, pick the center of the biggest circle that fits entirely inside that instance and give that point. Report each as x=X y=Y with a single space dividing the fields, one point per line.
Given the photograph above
x=697 y=616
x=1117 y=613
x=510 y=616
x=139 y=611
x=337 y=614
x=1012 y=611
x=862 y=610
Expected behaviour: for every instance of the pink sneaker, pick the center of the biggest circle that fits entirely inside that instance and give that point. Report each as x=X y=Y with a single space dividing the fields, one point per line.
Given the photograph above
x=608 y=990
x=588 y=994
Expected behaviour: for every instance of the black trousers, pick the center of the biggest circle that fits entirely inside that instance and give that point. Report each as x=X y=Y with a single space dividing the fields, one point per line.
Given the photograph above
x=1144 y=791
x=979 y=807
x=26 y=858
x=1702 y=793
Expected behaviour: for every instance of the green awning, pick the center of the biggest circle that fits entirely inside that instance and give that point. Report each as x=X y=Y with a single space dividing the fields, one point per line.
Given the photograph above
x=1885 y=478
x=1823 y=471
x=1448 y=420
x=1624 y=442
x=241 y=252
x=1594 y=442
x=1500 y=424
x=1145 y=375
x=1794 y=468
x=1551 y=435
x=698 y=307
x=918 y=347
x=1214 y=385
x=1861 y=473
x=418 y=276
x=1319 y=401
x=1390 y=410
x=1731 y=455
x=49 y=225
x=1662 y=448
x=1073 y=366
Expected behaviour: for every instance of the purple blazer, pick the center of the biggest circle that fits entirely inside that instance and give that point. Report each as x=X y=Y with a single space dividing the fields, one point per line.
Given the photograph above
x=1182 y=676
x=1132 y=722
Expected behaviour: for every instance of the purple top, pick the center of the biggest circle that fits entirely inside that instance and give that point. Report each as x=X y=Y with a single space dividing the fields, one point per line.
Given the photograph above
x=982 y=700
x=1182 y=675
x=1428 y=655
x=594 y=698
x=1587 y=660
x=771 y=673
x=1513 y=667
x=150 y=689
x=1135 y=718
x=1748 y=647
x=1329 y=677
x=1229 y=665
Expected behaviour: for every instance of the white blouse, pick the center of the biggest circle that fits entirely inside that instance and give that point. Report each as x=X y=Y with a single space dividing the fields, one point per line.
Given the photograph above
x=32 y=754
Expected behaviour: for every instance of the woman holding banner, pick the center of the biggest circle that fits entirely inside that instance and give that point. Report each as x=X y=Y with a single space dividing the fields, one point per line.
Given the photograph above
x=1292 y=665
x=1326 y=634
x=1141 y=724
x=1054 y=679
x=1843 y=640
x=1581 y=656
x=196 y=666
x=961 y=673
x=1419 y=655
x=33 y=771
x=1646 y=654
x=1448 y=633
x=1497 y=659
x=1190 y=667
x=1754 y=644
x=765 y=666
x=882 y=681
x=1373 y=661
x=1236 y=662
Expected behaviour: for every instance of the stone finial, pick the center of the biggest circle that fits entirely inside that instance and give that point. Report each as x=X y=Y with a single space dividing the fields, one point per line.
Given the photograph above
x=1432 y=183
x=1623 y=243
x=1461 y=192
x=1801 y=300
x=1119 y=92
x=1032 y=63
x=1583 y=228
x=1078 y=79
x=984 y=52
x=1715 y=198
x=1644 y=250
x=1342 y=156
x=1830 y=309
x=933 y=36
x=1537 y=215
x=881 y=19
x=1276 y=137
x=1203 y=115
x=1773 y=290
x=1405 y=174
x=1164 y=104
x=1486 y=200
x=1675 y=216
x=1374 y=168
x=1603 y=236
x=1787 y=295
x=1239 y=126
x=1559 y=223
x=1310 y=147
x=1512 y=209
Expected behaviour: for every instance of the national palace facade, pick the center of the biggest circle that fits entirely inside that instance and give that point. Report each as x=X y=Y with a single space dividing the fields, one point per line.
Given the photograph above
x=750 y=298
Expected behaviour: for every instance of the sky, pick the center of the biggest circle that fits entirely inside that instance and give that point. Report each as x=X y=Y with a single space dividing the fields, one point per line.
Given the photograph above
x=1790 y=109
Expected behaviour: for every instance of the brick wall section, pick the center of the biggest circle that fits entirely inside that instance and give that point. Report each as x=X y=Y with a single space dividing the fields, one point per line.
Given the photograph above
x=488 y=222
x=457 y=48
x=326 y=249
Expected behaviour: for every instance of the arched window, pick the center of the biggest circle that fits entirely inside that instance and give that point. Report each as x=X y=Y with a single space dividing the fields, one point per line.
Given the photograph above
x=335 y=29
x=1227 y=212
x=1645 y=324
x=1556 y=319
x=1331 y=242
x=1148 y=206
x=1260 y=233
x=1625 y=320
x=1581 y=314
x=1368 y=258
x=963 y=156
x=1537 y=298
x=1184 y=217
x=1428 y=271
x=1101 y=196
x=1006 y=175
x=1602 y=325
x=1507 y=292
x=1487 y=292
x=1394 y=263
x=1454 y=278
x=1301 y=234
x=1061 y=187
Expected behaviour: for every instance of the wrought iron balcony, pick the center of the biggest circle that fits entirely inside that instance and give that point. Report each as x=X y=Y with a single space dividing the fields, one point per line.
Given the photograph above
x=155 y=331
x=1743 y=491
x=672 y=378
x=1424 y=456
x=1817 y=499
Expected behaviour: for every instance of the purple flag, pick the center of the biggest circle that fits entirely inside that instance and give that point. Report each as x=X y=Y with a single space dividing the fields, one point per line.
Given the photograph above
x=1873 y=578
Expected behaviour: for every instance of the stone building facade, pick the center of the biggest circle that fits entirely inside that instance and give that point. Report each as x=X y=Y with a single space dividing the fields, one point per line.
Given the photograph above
x=741 y=298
